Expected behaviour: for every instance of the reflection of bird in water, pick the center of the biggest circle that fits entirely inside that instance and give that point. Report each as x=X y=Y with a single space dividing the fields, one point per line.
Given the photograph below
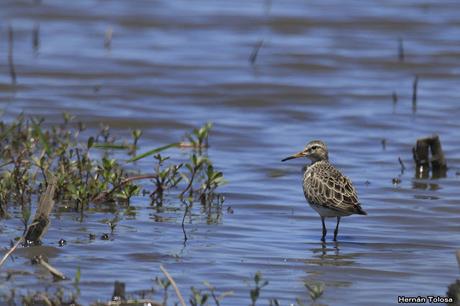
x=327 y=190
x=324 y=250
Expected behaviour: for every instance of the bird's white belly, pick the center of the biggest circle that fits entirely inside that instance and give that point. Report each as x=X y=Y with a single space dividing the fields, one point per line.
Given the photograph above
x=326 y=212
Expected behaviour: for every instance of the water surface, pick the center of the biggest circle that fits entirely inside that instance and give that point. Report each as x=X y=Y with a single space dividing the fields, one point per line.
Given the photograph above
x=326 y=70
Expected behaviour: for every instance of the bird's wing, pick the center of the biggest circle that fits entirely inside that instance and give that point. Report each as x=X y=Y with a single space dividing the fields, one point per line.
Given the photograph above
x=329 y=188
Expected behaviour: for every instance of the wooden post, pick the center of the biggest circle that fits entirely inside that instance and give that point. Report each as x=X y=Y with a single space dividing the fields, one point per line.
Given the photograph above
x=453 y=291
x=119 y=292
x=422 y=159
x=414 y=94
x=10 y=55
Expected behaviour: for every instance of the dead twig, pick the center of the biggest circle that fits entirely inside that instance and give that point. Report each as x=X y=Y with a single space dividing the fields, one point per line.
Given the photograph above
x=36 y=37
x=57 y=275
x=15 y=246
x=5 y=257
x=108 y=38
x=255 y=52
x=10 y=55
x=414 y=94
x=402 y=165
x=173 y=283
x=401 y=49
x=43 y=298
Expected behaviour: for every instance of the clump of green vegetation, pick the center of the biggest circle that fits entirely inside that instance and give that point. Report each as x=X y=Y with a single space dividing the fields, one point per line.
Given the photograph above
x=86 y=170
x=198 y=139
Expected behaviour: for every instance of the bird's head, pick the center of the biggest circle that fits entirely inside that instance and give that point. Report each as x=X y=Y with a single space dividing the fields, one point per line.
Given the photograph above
x=315 y=150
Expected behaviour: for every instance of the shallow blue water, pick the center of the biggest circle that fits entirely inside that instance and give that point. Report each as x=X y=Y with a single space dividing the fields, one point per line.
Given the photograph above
x=326 y=70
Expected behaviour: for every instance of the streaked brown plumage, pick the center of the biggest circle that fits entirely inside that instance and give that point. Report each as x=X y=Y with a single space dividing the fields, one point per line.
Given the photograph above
x=326 y=189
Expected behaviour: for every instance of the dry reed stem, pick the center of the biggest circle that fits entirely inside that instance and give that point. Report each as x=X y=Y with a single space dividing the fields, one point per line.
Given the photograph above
x=58 y=275
x=11 y=251
x=173 y=283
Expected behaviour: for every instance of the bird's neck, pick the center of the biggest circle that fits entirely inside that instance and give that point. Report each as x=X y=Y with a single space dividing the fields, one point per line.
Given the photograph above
x=313 y=162
x=319 y=160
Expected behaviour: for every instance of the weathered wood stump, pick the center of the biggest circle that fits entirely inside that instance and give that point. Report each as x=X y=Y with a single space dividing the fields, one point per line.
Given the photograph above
x=421 y=153
x=119 y=298
x=119 y=292
x=453 y=291
x=41 y=220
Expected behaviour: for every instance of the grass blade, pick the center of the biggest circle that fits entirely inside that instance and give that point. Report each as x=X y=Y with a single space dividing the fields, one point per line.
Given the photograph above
x=154 y=151
x=109 y=146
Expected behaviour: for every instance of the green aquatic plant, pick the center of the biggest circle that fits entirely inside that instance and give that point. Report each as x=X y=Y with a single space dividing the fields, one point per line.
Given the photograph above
x=136 y=134
x=85 y=168
x=315 y=289
x=213 y=179
x=201 y=184
x=213 y=293
x=112 y=223
x=259 y=283
x=198 y=139
x=198 y=297
x=274 y=302
x=164 y=283
x=127 y=192
x=194 y=167
x=166 y=178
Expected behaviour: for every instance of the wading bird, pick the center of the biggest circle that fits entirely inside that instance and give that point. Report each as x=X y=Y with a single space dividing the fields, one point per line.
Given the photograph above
x=326 y=189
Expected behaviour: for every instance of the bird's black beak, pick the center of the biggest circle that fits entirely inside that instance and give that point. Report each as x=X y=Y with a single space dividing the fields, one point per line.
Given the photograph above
x=297 y=155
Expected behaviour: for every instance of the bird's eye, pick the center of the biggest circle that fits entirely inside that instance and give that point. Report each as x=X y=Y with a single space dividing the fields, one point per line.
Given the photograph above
x=314 y=147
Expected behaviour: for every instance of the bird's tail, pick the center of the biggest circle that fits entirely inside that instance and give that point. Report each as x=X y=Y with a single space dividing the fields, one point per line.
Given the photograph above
x=360 y=211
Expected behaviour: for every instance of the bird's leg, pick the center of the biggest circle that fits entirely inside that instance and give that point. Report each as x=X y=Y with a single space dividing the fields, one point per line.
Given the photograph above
x=336 y=231
x=323 y=239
